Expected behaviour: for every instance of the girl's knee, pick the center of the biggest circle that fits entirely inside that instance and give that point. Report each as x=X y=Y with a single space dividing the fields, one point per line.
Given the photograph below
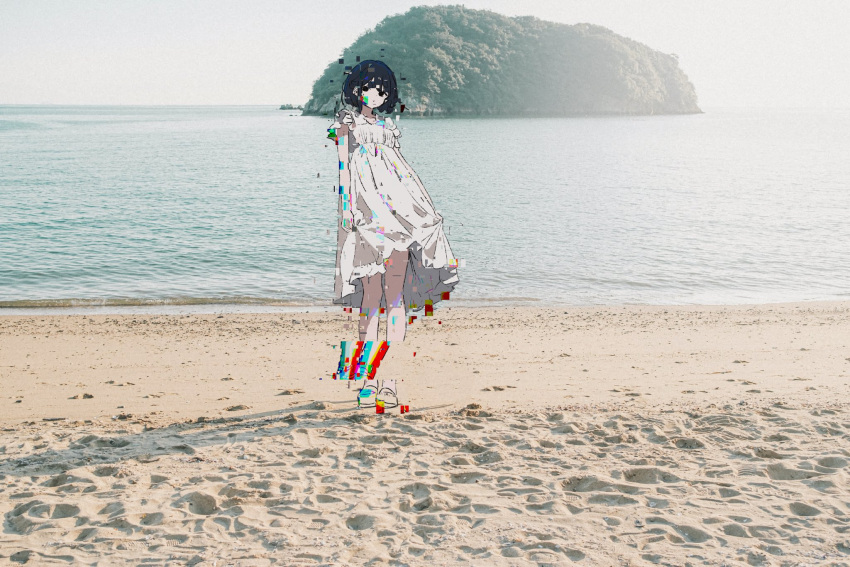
x=395 y=299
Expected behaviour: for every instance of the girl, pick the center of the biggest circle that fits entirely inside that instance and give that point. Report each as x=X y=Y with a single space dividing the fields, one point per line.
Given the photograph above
x=391 y=248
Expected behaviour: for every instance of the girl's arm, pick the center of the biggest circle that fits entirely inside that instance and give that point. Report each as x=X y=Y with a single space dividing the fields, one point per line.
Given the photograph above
x=345 y=202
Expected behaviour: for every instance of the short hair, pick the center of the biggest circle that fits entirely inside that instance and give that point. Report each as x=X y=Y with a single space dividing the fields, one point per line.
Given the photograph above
x=368 y=74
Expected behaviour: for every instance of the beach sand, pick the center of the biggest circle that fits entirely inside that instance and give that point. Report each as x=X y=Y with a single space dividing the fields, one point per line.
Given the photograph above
x=673 y=435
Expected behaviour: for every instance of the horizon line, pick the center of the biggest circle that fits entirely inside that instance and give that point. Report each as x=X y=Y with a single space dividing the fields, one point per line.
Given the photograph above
x=278 y=105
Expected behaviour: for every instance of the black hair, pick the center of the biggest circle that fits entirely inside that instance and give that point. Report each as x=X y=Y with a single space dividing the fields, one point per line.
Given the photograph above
x=368 y=74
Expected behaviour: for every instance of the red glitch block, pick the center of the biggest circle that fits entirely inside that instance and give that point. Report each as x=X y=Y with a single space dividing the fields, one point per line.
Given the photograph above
x=334 y=376
x=429 y=310
x=414 y=353
x=355 y=360
x=401 y=408
x=382 y=311
x=379 y=356
x=379 y=409
x=402 y=108
x=445 y=295
x=439 y=322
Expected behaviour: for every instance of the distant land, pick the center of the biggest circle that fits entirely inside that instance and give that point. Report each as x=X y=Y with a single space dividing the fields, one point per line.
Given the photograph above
x=457 y=62
x=291 y=107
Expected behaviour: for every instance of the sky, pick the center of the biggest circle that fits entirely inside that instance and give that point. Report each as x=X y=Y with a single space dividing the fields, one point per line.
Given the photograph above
x=737 y=53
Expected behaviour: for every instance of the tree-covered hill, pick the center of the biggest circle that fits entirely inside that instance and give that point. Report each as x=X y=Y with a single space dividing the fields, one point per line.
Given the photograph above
x=458 y=61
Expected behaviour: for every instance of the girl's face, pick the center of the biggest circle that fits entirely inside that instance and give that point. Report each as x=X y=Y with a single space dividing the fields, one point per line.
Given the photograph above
x=373 y=97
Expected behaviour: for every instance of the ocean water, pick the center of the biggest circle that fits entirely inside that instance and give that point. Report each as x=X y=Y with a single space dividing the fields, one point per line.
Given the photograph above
x=191 y=206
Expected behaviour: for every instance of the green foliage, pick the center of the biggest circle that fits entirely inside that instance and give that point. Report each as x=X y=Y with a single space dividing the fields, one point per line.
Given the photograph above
x=459 y=61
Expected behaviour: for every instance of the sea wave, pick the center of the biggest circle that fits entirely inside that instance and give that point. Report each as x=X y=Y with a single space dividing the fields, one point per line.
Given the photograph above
x=165 y=301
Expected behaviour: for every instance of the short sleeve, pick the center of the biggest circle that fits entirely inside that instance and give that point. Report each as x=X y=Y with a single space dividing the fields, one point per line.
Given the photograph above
x=342 y=117
x=393 y=128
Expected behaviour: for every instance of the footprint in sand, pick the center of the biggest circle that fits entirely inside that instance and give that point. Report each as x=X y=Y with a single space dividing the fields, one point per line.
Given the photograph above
x=360 y=522
x=735 y=530
x=106 y=471
x=777 y=437
x=688 y=443
x=158 y=478
x=22 y=556
x=417 y=490
x=657 y=503
x=467 y=477
x=65 y=479
x=64 y=511
x=99 y=442
x=832 y=462
x=327 y=499
x=649 y=476
x=26 y=517
x=780 y=472
x=801 y=509
x=611 y=500
x=152 y=519
x=112 y=510
x=198 y=503
x=488 y=457
x=764 y=453
x=585 y=484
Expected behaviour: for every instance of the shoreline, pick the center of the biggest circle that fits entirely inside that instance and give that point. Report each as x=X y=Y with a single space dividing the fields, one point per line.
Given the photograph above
x=210 y=308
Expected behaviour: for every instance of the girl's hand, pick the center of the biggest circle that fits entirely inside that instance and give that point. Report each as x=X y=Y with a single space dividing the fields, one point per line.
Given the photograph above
x=347 y=222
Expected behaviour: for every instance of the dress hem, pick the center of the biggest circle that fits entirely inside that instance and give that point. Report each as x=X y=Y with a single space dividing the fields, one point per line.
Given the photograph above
x=431 y=283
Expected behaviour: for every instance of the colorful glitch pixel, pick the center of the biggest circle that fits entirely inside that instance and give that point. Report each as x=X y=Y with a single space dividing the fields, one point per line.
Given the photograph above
x=360 y=359
x=380 y=407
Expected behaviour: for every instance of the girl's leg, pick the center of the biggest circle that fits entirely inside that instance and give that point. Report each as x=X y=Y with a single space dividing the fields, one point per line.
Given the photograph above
x=394 y=292
x=369 y=308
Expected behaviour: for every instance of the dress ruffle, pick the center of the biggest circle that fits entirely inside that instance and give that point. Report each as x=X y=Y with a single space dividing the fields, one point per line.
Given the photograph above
x=342 y=117
x=391 y=127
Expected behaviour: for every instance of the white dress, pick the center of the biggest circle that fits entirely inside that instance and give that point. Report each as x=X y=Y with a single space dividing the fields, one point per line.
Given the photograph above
x=392 y=211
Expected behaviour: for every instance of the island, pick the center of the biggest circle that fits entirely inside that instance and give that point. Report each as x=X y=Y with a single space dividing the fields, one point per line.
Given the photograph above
x=456 y=61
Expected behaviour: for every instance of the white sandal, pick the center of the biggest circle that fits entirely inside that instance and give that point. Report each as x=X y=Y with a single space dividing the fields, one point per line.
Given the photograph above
x=388 y=388
x=368 y=394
